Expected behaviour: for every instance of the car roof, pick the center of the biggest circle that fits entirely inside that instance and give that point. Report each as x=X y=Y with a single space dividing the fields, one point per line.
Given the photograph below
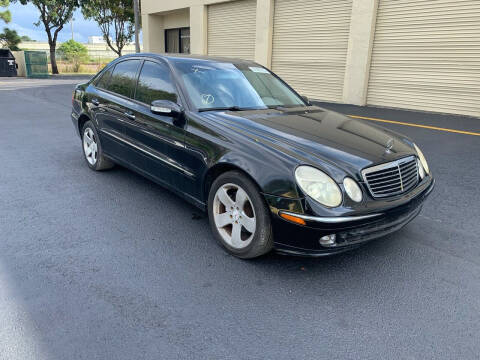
x=174 y=57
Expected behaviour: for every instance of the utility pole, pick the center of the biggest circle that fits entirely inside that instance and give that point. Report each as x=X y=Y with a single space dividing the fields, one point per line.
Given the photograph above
x=137 y=25
x=71 y=25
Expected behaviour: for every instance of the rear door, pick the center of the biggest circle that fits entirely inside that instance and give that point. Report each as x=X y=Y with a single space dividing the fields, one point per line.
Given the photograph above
x=112 y=102
x=158 y=142
x=96 y=94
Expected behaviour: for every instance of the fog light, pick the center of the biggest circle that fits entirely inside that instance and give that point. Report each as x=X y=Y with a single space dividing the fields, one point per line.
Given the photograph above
x=328 y=240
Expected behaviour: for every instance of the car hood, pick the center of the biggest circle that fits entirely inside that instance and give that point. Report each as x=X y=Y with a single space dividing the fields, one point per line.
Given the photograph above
x=319 y=137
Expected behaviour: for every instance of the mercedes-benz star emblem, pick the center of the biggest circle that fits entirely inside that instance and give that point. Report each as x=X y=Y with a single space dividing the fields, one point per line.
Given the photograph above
x=389 y=146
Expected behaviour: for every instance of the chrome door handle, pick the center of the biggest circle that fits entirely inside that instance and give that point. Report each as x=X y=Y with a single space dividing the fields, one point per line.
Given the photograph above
x=129 y=115
x=95 y=102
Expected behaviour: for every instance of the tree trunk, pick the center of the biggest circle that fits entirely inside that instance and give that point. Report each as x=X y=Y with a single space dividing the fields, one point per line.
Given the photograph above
x=110 y=45
x=53 y=60
x=120 y=46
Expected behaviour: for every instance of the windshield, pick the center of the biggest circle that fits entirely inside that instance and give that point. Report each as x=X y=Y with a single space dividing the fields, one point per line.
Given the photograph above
x=218 y=85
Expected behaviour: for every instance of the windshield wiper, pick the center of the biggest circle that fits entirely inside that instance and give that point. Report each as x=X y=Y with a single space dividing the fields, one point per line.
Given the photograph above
x=285 y=106
x=228 y=108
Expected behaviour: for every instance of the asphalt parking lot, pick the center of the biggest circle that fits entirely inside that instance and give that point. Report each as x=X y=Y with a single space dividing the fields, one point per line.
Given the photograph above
x=111 y=266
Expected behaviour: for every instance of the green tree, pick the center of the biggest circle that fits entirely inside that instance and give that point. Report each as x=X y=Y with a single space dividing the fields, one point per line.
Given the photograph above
x=10 y=39
x=5 y=15
x=114 y=17
x=74 y=52
x=54 y=14
x=26 y=38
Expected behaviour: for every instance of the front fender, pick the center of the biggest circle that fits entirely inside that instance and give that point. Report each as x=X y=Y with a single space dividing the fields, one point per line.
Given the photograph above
x=273 y=176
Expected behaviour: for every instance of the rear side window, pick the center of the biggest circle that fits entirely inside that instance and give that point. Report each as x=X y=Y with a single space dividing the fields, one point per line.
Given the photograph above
x=123 y=78
x=102 y=81
x=155 y=83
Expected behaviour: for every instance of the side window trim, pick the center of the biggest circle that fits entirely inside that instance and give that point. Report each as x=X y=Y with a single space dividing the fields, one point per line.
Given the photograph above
x=137 y=78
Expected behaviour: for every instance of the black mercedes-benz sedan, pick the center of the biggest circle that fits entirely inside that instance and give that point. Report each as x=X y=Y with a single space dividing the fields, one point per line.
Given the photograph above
x=232 y=138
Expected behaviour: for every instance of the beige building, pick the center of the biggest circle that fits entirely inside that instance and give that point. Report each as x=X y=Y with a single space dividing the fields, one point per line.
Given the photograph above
x=414 y=54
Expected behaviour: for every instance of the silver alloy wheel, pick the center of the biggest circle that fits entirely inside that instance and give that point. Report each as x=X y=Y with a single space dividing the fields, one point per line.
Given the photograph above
x=234 y=216
x=90 y=146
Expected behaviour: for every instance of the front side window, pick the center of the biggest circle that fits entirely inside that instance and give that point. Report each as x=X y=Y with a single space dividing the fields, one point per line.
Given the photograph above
x=123 y=77
x=155 y=83
x=225 y=85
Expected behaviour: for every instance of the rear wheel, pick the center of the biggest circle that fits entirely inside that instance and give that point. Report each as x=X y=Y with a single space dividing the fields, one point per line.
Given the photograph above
x=92 y=149
x=239 y=217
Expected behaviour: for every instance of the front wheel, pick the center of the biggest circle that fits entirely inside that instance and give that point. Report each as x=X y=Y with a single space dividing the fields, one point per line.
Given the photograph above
x=239 y=217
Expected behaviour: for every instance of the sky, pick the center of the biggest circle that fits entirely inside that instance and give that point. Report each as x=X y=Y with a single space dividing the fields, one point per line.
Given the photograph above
x=23 y=17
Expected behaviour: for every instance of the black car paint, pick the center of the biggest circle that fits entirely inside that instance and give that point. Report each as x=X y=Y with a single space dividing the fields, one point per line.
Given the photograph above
x=267 y=145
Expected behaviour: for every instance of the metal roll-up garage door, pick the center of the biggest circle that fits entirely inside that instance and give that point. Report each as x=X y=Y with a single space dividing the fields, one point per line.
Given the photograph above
x=231 y=29
x=426 y=56
x=310 y=41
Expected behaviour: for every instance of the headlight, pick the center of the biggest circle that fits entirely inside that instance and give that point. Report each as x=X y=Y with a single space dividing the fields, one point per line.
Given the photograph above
x=423 y=161
x=352 y=189
x=319 y=186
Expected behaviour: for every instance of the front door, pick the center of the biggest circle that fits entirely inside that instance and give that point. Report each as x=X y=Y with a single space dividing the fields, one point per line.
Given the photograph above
x=158 y=143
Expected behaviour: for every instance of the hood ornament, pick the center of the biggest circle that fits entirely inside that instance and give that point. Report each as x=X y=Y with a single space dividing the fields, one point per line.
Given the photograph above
x=389 y=146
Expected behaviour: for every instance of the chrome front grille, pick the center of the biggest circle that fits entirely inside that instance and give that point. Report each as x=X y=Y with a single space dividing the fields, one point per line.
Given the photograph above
x=393 y=178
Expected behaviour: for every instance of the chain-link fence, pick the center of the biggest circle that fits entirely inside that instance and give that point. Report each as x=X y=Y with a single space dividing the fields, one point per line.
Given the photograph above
x=86 y=65
x=99 y=55
x=90 y=64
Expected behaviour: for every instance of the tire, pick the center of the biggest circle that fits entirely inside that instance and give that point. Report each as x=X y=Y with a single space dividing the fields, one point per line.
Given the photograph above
x=95 y=159
x=244 y=208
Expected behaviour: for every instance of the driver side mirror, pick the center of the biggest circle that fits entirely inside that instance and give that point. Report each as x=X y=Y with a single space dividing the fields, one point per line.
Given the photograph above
x=166 y=108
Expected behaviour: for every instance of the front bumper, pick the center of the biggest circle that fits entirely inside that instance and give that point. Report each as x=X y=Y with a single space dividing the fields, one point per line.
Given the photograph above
x=350 y=231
